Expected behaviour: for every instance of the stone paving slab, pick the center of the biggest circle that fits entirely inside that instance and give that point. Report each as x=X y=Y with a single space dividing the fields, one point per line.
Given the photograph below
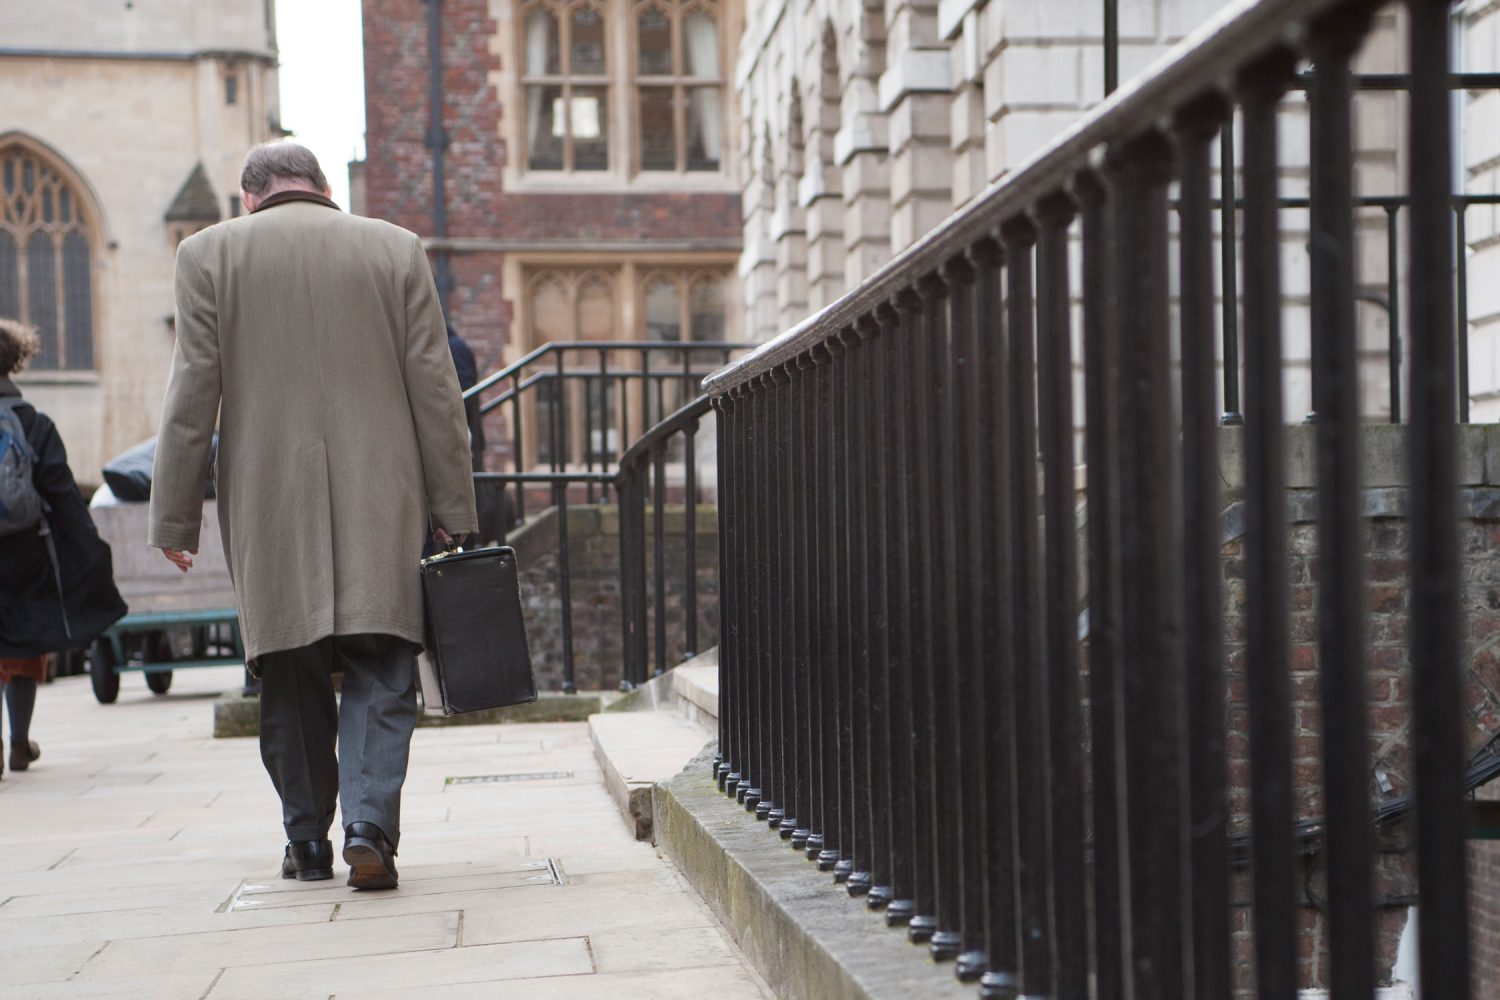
x=682 y=984
x=414 y=973
x=139 y=859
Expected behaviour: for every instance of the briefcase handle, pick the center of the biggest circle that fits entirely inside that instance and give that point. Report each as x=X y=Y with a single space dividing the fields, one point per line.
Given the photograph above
x=452 y=549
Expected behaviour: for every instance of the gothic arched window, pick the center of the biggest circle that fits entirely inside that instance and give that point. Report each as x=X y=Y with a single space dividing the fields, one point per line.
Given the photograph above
x=46 y=271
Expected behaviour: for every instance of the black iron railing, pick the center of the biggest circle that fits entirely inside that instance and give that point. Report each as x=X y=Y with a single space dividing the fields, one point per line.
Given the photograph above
x=902 y=685
x=610 y=390
x=644 y=473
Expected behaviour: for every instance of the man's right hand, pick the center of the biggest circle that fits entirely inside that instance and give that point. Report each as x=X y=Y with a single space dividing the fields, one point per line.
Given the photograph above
x=443 y=538
x=181 y=558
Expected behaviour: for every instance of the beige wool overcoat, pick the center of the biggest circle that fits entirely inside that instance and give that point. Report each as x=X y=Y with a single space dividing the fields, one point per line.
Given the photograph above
x=314 y=339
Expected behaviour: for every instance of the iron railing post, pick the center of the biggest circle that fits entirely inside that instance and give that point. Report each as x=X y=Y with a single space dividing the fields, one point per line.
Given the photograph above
x=1054 y=387
x=1341 y=576
x=1029 y=680
x=996 y=682
x=1208 y=807
x=1436 y=678
x=1266 y=600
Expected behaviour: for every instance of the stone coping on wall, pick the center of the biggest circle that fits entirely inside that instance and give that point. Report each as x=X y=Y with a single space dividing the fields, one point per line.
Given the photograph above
x=1382 y=457
x=1475 y=503
x=539 y=533
x=803 y=933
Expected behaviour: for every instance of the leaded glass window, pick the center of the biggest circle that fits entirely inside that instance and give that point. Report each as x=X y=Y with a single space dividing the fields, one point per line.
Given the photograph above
x=46 y=270
x=679 y=85
x=565 y=63
x=650 y=71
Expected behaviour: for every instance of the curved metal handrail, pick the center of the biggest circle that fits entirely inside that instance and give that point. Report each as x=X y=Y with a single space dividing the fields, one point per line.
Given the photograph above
x=508 y=395
x=561 y=346
x=676 y=423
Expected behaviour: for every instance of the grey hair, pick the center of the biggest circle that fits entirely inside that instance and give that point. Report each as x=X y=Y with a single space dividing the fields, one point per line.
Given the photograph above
x=280 y=161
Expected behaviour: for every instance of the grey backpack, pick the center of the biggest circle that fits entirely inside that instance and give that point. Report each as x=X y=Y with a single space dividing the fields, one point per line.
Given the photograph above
x=20 y=503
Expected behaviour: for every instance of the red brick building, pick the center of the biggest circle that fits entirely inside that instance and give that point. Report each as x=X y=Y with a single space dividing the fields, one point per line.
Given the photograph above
x=588 y=165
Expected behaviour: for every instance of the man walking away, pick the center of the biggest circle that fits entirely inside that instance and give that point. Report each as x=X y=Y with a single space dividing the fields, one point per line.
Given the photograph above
x=316 y=339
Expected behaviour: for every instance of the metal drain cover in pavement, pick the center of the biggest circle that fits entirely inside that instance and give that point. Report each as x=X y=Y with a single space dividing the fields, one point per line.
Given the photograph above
x=489 y=779
x=416 y=880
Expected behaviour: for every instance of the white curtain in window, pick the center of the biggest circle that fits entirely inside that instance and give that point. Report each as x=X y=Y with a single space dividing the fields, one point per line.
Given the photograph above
x=537 y=36
x=701 y=35
x=706 y=105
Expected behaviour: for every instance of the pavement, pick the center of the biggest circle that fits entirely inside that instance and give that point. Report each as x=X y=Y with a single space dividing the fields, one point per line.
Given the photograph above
x=139 y=858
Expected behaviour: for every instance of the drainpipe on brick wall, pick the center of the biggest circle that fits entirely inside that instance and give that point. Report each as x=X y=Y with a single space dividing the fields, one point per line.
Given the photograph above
x=437 y=142
x=1111 y=46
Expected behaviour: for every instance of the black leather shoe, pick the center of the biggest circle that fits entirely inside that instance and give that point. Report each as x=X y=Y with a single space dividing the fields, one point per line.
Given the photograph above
x=308 y=860
x=370 y=857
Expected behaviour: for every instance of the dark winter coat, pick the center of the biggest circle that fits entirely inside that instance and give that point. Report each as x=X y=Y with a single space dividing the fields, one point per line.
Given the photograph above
x=31 y=618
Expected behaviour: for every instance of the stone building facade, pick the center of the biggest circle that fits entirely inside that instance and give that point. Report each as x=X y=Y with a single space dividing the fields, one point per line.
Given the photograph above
x=591 y=187
x=866 y=124
x=122 y=130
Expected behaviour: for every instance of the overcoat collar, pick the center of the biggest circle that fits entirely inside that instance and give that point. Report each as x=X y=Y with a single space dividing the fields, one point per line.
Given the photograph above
x=8 y=388
x=296 y=194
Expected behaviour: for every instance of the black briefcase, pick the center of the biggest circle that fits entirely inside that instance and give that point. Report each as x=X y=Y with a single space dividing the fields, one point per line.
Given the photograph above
x=476 y=657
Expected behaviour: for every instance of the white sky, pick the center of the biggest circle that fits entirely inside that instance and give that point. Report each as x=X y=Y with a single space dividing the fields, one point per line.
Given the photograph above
x=323 y=83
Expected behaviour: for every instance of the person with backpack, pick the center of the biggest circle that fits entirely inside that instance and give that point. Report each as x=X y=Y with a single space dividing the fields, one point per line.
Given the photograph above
x=57 y=588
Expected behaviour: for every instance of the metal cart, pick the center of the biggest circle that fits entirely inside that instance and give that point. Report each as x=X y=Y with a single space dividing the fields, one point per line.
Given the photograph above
x=177 y=621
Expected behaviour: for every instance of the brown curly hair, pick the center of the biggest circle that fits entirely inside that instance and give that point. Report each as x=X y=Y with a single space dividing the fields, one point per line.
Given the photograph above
x=18 y=345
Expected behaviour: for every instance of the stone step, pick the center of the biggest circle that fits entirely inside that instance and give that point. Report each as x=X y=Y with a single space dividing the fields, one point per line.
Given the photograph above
x=691 y=689
x=695 y=685
x=636 y=750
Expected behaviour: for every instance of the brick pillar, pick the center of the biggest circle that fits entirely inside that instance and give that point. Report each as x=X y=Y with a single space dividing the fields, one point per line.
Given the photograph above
x=398 y=170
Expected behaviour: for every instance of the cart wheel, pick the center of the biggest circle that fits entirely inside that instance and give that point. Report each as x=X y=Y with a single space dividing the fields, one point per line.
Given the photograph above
x=102 y=672
x=159 y=650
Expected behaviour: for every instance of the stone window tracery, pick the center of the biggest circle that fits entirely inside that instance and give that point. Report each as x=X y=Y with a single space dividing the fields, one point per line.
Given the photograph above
x=595 y=303
x=46 y=271
x=683 y=305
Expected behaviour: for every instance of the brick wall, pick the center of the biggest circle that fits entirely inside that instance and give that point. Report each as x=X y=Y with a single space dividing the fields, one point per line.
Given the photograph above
x=594 y=561
x=399 y=170
x=1386 y=544
x=1484 y=906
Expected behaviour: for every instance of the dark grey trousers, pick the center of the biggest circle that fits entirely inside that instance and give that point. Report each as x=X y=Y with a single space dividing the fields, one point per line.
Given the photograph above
x=371 y=721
